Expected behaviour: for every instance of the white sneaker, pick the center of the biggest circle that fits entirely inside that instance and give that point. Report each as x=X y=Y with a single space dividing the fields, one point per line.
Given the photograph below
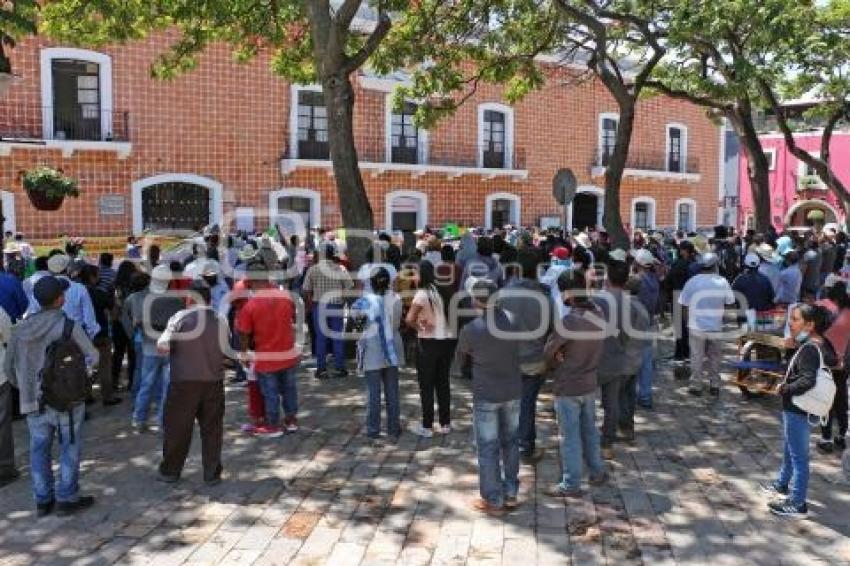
x=445 y=429
x=420 y=430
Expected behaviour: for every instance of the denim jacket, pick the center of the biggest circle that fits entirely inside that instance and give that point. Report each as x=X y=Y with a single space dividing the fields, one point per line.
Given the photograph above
x=380 y=344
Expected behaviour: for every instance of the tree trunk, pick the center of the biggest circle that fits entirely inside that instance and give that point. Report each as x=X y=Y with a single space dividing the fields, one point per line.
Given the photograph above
x=353 y=201
x=611 y=219
x=758 y=170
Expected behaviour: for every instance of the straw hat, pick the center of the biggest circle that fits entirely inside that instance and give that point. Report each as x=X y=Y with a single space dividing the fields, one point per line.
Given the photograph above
x=700 y=243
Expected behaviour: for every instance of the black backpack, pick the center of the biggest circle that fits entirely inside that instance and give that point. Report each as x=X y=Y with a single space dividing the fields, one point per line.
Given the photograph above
x=64 y=380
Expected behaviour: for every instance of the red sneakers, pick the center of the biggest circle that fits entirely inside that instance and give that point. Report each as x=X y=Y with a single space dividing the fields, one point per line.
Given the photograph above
x=265 y=431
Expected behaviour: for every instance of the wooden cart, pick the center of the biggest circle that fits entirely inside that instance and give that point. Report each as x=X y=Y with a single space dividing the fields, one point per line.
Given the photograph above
x=761 y=362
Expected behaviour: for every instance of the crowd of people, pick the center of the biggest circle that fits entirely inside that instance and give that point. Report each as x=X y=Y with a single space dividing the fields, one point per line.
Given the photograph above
x=512 y=310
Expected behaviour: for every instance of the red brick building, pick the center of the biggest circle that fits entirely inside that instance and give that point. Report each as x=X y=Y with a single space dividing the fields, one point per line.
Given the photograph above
x=230 y=139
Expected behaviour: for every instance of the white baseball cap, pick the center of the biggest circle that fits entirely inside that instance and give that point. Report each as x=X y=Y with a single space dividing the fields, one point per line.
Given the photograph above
x=708 y=259
x=752 y=260
x=644 y=258
x=58 y=263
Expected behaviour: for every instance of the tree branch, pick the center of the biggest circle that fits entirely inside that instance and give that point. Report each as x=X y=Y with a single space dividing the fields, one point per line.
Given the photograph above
x=345 y=14
x=381 y=30
x=685 y=95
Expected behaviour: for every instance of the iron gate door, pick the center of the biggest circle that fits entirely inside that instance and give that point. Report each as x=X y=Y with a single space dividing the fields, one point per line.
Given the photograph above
x=175 y=206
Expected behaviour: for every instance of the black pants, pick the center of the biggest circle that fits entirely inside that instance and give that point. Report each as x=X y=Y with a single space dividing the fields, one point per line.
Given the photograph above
x=433 y=364
x=610 y=396
x=683 y=350
x=189 y=401
x=7 y=439
x=122 y=343
x=628 y=402
x=838 y=413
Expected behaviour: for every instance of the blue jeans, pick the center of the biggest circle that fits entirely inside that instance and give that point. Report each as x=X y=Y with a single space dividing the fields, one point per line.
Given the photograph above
x=42 y=427
x=137 y=368
x=579 y=438
x=644 y=376
x=333 y=315
x=496 y=427
x=527 y=431
x=375 y=379
x=276 y=385
x=795 y=457
x=153 y=387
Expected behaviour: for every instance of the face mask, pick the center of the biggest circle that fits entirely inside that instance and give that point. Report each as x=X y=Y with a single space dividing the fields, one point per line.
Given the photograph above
x=802 y=336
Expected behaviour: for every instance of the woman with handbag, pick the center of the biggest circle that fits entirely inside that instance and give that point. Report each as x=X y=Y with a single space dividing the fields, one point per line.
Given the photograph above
x=807 y=325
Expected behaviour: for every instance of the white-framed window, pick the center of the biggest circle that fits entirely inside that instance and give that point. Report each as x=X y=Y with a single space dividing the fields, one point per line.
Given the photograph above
x=495 y=136
x=405 y=141
x=609 y=123
x=807 y=177
x=685 y=213
x=308 y=123
x=643 y=213
x=501 y=209
x=676 y=155
x=406 y=211
x=296 y=210
x=770 y=155
x=76 y=95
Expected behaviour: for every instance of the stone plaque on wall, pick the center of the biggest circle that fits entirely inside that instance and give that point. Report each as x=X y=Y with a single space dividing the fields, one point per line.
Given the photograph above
x=112 y=205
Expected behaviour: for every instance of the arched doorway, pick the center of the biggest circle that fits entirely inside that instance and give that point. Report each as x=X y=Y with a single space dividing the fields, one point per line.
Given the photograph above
x=406 y=211
x=295 y=211
x=810 y=214
x=175 y=206
x=176 y=202
x=501 y=209
x=585 y=210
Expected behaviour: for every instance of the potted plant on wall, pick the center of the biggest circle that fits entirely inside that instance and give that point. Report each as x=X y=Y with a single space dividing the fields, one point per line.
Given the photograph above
x=47 y=187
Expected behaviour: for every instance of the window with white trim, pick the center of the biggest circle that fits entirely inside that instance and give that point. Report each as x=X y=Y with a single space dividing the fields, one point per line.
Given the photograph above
x=677 y=139
x=494 y=139
x=76 y=96
x=405 y=135
x=643 y=213
x=312 y=125
x=808 y=178
x=608 y=126
x=685 y=216
x=770 y=154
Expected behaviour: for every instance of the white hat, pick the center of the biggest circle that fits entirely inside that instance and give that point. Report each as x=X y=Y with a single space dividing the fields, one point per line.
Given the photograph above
x=644 y=257
x=708 y=259
x=58 y=263
x=210 y=267
x=752 y=260
x=160 y=277
x=765 y=251
x=584 y=240
x=618 y=255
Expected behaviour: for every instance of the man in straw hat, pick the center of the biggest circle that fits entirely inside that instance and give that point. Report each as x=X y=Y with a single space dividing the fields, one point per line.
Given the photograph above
x=769 y=266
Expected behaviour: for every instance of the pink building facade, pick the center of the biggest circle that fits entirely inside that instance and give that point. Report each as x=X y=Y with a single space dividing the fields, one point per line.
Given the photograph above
x=798 y=199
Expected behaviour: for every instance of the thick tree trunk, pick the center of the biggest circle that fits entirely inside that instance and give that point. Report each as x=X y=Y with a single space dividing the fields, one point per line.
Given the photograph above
x=612 y=219
x=758 y=170
x=353 y=200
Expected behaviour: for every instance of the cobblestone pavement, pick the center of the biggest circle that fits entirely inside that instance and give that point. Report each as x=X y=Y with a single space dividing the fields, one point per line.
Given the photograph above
x=686 y=493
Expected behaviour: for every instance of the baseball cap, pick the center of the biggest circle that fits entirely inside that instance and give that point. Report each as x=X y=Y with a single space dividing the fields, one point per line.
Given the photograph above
x=618 y=255
x=752 y=260
x=561 y=253
x=708 y=259
x=58 y=263
x=48 y=288
x=644 y=257
x=160 y=277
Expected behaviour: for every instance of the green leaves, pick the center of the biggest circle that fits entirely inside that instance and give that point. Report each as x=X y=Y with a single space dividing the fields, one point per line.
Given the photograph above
x=17 y=18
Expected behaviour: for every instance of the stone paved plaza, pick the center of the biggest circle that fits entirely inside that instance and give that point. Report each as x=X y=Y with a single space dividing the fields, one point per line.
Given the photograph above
x=686 y=493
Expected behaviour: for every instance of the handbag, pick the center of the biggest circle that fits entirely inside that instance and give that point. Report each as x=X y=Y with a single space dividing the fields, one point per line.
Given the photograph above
x=818 y=400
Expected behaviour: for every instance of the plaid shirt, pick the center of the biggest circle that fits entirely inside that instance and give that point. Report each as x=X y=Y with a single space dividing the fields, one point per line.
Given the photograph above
x=327 y=277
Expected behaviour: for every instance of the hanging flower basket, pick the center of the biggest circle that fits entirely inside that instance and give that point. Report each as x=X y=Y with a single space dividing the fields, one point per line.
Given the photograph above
x=47 y=187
